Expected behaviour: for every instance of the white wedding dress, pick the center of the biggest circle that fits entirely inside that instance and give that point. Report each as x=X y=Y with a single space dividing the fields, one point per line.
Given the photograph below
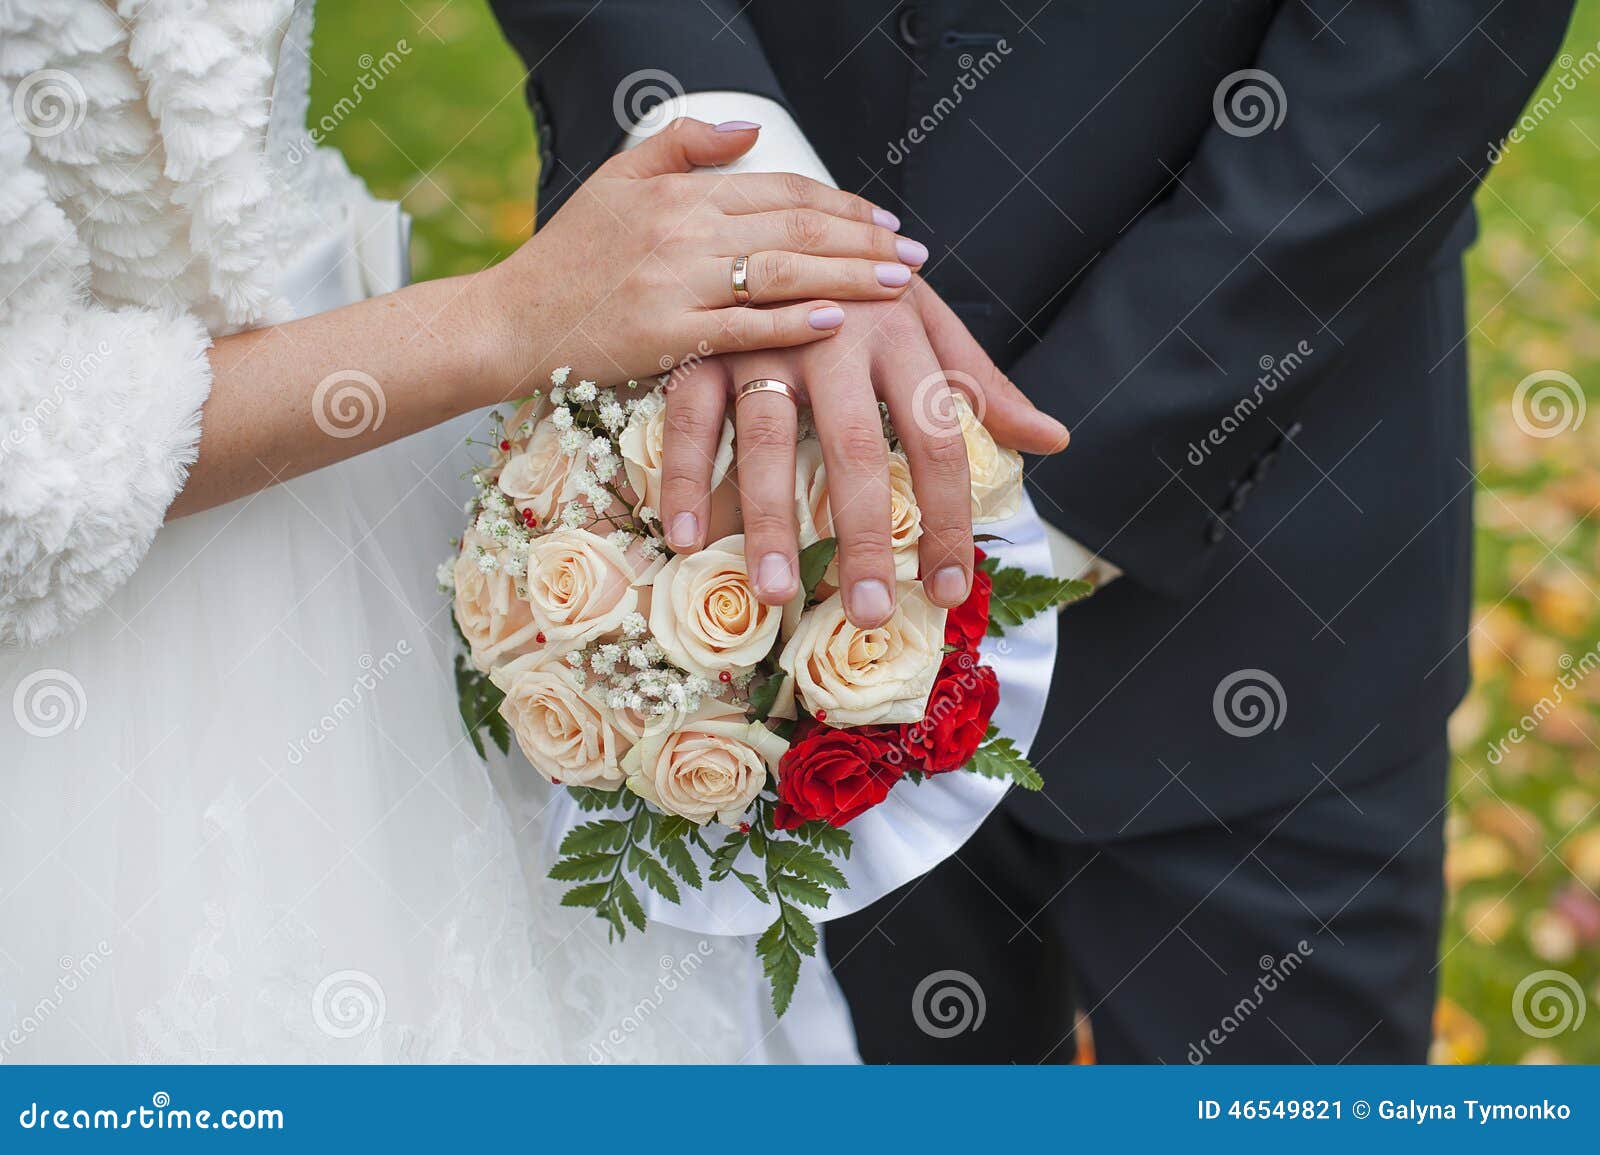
x=238 y=817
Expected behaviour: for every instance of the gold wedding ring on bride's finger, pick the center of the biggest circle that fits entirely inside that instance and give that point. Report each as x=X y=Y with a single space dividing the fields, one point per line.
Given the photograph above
x=767 y=385
x=741 y=281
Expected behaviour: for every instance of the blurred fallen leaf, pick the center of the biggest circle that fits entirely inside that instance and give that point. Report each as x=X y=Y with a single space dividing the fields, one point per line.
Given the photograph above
x=1514 y=824
x=1551 y=937
x=1581 y=853
x=1474 y=857
x=1488 y=919
x=1457 y=1037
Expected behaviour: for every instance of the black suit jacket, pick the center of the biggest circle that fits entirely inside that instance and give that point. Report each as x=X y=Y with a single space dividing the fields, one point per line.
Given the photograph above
x=1254 y=329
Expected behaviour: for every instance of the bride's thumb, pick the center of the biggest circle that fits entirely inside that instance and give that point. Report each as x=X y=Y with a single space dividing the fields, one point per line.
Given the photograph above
x=687 y=144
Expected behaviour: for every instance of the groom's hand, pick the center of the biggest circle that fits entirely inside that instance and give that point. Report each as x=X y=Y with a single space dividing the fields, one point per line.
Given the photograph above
x=908 y=353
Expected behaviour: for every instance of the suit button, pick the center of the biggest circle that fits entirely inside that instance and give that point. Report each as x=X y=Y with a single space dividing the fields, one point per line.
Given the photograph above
x=1293 y=431
x=1241 y=491
x=908 y=28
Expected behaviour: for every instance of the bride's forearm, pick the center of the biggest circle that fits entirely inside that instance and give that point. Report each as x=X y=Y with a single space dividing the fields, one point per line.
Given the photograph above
x=287 y=399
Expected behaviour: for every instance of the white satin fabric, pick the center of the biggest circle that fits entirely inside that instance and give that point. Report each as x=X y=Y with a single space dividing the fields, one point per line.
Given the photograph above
x=239 y=821
x=919 y=825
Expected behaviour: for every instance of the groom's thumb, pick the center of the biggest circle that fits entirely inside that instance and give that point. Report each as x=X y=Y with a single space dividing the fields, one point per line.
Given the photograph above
x=684 y=145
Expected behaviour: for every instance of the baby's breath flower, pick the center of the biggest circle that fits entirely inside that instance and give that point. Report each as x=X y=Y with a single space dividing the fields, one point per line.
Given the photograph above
x=584 y=392
x=622 y=539
x=633 y=624
x=647 y=514
x=559 y=377
x=575 y=659
x=599 y=447
x=561 y=417
x=446 y=575
x=487 y=562
x=572 y=516
x=612 y=416
x=571 y=440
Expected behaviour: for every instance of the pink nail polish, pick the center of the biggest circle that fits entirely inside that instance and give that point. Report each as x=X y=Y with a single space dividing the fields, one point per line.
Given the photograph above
x=828 y=317
x=883 y=218
x=735 y=126
x=892 y=276
x=911 y=252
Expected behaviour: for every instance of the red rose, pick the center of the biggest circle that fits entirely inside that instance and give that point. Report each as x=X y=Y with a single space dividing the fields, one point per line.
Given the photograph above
x=964 y=697
x=832 y=776
x=967 y=624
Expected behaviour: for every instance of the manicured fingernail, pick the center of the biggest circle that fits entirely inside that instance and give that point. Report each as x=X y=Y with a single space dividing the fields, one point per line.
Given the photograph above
x=911 y=252
x=775 y=575
x=735 y=126
x=949 y=586
x=892 y=276
x=684 y=533
x=883 y=218
x=1058 y=430
x=869 y=601
x=829 y=317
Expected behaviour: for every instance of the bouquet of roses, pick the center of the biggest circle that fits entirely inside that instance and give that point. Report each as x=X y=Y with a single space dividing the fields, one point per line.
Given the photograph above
x=718 y=741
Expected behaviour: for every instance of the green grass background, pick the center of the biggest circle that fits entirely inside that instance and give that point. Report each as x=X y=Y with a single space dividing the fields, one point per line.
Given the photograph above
x=448 y=133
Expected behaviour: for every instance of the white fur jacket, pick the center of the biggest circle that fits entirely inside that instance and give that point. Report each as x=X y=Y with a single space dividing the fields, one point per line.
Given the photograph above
x=134 y=192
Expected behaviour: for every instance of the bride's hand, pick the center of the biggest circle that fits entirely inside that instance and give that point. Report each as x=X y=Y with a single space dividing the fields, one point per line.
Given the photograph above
x=634 y=274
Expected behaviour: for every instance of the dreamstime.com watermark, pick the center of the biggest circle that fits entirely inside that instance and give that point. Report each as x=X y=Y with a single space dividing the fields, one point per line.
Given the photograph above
x=948 y=1003
x=1573 y=70
x=1274 y=372
x=372 y=672
x=973 y=69
x=1249 y=102
x=75 y=971
x=49 y=702
x=675 y=973
x=1275 y=972
x=373 y=70
x=348 y=1004
x=1548 y=403
x=1249 y=702
x=159 y=1115
x=1573 y=671
x=1548 y=1003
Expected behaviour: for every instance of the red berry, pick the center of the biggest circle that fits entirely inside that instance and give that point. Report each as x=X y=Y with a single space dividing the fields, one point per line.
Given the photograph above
x=822 y=715
x=539 y=637
x=744 y=828
x=724 y=676
x=505 y=445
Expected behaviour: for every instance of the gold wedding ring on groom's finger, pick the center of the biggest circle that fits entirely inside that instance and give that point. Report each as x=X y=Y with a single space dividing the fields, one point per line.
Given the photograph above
x=767 y=385
x=741 y=283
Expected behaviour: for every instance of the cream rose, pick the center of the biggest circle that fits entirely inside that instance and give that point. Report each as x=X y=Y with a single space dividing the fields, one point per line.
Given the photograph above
x=567 y=732
x=539 y=476
x=579 y=587
x=704 y=612
x=996 y=473
x=710 y=764
x=847 y=676
x=641 y=448
x=816 y=521
x=493 y=619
